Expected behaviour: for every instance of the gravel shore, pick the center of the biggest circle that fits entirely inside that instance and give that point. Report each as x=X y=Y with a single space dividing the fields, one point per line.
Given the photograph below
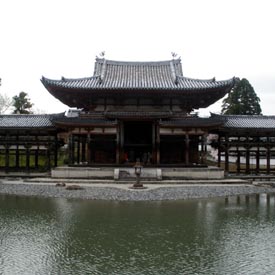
x=122 y=192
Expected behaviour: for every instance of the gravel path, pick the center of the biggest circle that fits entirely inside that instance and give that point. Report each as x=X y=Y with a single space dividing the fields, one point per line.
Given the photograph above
x=123 y=193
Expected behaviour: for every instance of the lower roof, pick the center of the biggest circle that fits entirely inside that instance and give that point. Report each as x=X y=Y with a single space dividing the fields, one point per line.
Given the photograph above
x=166 y=119
x=192 y=122
x=17 y=121
x=246 y=122
x=84 y=122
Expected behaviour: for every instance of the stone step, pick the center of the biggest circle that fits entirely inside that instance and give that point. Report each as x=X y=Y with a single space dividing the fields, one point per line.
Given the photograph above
x=128 y=173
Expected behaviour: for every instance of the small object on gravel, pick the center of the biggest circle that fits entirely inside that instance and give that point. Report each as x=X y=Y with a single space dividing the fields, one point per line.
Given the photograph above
x=61 y=184
x=74 y=187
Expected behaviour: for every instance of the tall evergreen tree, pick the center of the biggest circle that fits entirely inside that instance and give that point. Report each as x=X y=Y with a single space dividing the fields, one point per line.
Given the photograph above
x=22 y=104
x=242 y=100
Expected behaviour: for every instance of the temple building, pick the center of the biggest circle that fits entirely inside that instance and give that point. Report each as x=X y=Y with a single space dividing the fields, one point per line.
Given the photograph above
x=28 y=142
x=137 y=110
x=246 y=144
x=129 y=111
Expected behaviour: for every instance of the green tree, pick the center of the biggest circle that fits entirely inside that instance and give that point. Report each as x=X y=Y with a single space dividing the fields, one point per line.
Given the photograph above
x=242 y=100
x=22 y=104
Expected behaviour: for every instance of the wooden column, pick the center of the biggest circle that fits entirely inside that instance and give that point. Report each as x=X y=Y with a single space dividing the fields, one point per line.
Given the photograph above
x=258 y=159
x=27 y=156
x=7 y=157
x=71 y=148
x=226 y=155
x=118 y=149
x=204 y=148
x=201 y=145
x=48 y=156
x=55 y=150
x=238 y=162
x=157 y=144
x=83 y=149
x=78 y=150
x=187 y=149
x=36 y=157
x=36 y=151
x=121 y=143
x=89 y=147
x=268 y=159
x=247 y=166
x=219 y=151
x=247 y=162
x=17 y=156
x=153 y=142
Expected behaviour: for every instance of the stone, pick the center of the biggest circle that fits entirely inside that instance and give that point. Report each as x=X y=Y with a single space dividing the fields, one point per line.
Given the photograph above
x=60 y=184
x=74 y=187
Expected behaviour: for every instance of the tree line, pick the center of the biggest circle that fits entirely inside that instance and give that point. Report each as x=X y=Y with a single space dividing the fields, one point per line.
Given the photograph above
x=18 y=104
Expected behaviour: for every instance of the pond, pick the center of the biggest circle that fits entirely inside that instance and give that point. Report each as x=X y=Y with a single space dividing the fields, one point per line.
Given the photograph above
x=232 y=235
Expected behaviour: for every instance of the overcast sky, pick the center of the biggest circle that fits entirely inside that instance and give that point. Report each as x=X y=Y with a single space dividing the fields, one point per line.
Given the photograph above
x=58 y=38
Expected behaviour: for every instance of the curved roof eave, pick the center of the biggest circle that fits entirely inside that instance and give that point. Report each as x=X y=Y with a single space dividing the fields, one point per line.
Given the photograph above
x=93 y=84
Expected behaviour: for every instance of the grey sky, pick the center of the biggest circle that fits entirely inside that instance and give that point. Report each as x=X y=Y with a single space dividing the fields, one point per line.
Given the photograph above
x=58 y=38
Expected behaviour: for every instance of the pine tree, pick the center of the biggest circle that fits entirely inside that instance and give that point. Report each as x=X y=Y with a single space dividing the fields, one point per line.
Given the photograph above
x=22 y=104
x=242 y=100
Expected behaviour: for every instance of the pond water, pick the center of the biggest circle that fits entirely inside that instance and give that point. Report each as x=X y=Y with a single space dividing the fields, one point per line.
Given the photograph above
x=213 y=236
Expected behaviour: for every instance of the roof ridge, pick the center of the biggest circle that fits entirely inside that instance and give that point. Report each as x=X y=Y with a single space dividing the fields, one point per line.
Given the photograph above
x=138 y=63
x=197 y=79
x=238 y=117
x=31 y=115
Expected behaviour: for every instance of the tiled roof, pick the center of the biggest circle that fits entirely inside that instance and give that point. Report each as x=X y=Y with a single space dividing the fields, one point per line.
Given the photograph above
x=246 y=121
x=28 y=121
x=191 y=121
x=118 y=75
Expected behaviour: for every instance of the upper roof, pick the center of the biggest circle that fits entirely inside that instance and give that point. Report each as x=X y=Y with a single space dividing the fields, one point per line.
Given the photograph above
x=239 y=122
x=163 y=75
x=28 y=121
x=122 y=79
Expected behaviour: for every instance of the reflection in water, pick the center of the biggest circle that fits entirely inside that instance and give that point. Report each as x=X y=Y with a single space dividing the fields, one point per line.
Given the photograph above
x=233 y=235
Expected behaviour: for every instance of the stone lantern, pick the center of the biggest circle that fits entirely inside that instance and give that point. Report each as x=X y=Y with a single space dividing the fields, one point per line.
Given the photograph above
x=138 y=168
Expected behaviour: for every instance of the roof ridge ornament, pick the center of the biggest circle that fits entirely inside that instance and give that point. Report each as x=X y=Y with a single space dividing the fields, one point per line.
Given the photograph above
x=173 y=72
x=101 y=55
x=174 y=55
x=103 y=71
